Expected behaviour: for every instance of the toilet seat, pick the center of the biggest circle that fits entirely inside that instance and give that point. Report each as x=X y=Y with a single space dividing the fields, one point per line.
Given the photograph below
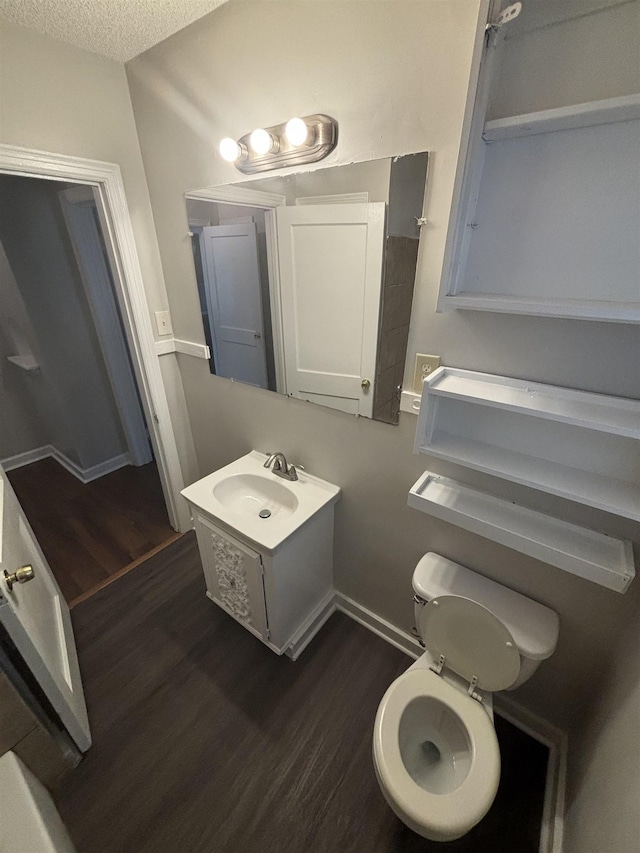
x=437 y=816
x=474 y=643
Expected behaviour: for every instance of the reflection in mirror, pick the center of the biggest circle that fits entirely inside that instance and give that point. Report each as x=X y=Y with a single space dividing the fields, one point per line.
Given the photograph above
x=306 y=281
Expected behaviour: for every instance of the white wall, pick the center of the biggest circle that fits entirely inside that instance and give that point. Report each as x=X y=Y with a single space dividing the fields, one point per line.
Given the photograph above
x=602 y=805
x=55 y=97
x=395 y=76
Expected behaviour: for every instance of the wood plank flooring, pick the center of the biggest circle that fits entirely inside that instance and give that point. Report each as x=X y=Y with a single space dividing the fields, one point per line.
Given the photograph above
x=91 y=531
x=204 y=740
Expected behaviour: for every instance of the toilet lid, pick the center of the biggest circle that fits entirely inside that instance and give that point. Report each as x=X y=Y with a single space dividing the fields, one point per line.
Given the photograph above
x=472 y=640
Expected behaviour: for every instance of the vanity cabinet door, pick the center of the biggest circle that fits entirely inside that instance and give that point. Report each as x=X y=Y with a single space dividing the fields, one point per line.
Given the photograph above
x=234 y=576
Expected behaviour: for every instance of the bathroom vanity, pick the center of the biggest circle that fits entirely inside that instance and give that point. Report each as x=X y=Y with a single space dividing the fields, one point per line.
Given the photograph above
x=267 y=549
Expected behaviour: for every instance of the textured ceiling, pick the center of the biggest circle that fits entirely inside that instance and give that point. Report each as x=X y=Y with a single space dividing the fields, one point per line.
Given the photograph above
x=119 y=29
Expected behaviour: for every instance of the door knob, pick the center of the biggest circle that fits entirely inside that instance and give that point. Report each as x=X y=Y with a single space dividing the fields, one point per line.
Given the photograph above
x=257 y=335
x=21 y=575
x=365 y=384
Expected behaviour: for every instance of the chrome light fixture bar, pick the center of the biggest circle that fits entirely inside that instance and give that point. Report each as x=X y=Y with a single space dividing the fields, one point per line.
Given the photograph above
x=283 y=144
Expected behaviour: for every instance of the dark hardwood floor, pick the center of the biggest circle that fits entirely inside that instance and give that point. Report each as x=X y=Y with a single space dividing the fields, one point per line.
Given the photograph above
x=204 y=740
x=89 y=532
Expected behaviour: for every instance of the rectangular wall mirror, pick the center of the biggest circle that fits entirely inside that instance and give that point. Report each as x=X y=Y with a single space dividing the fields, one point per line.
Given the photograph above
x=306 y=280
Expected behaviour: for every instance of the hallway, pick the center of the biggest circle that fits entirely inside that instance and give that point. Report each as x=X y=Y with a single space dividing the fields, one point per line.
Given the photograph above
x=91 y=532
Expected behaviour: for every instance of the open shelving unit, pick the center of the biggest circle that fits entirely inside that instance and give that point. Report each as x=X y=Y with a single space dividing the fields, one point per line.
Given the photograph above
x=573 y=444
x=587 y=553
x=545 y=219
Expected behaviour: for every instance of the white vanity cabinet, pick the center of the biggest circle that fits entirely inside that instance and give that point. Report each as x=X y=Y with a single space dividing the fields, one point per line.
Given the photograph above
x=545 y=219
x=266 y=546
x=283 y=597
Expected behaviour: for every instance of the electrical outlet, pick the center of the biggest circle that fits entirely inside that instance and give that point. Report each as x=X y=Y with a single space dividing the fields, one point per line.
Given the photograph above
x=425 y=365
x=163 y=323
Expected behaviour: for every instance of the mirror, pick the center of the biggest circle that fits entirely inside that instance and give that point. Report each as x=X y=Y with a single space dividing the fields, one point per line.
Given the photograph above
x=306 y=280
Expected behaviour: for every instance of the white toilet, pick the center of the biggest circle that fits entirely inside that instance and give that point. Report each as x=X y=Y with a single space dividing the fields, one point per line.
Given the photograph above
x=435 y=749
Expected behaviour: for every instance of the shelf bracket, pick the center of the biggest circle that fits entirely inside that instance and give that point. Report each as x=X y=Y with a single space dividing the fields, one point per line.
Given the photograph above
x=505 y=17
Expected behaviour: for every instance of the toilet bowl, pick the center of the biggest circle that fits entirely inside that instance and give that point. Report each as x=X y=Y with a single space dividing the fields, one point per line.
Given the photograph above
x=435 y=749
x=436 y=756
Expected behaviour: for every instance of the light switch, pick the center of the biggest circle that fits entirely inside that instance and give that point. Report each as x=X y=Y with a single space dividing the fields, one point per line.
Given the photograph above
x=163 y=323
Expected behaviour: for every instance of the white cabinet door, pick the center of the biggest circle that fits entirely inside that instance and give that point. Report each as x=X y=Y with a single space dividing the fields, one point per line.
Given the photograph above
x=36 y=617
x=330 y=259
x=234 y=576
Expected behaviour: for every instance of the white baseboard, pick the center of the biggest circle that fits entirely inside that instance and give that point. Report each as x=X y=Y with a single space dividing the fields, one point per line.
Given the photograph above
x=397 y=637
x=551 y=835
x=311 y=626
x=85 y=475
x=26 y=458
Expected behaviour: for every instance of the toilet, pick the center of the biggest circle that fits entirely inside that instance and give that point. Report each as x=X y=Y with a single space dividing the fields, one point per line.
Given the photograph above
x=435 y=749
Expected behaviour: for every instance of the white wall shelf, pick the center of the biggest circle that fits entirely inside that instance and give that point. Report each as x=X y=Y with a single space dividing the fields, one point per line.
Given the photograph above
x=545 y=218
x=573 y=444
x=593 y=411
x=624 y=108
x=25 y=362
x=574 y=309
x=587 y=553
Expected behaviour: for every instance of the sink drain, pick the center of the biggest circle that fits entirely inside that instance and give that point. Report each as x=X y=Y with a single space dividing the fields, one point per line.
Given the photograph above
x=264 y=513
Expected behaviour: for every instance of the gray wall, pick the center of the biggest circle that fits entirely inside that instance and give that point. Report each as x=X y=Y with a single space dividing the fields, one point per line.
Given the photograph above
x=27 y=407
x=395 y=76
x=84 y=422
x=602 y=802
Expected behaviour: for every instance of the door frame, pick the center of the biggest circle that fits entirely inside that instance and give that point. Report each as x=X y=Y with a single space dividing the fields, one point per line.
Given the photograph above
x=244 y=197
x=111 y=200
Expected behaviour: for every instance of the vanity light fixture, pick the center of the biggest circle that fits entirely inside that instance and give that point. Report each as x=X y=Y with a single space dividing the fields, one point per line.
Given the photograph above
x=300 y=140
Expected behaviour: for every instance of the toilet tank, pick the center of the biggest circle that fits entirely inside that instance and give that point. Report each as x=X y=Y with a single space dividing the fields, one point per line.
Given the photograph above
x=533 y=626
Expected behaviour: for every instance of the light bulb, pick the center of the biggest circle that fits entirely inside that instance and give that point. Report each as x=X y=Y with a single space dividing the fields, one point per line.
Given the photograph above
x=229 y=149
x=296 y=131
x=260 y=141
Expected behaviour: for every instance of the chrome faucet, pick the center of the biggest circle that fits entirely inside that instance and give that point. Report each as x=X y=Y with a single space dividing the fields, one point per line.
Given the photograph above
x=279 y=465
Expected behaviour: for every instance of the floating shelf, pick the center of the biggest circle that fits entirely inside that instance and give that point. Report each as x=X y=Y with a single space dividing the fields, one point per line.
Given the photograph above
x=26 y=362
x=576 y=309
x=569 y=443
x=624 y=108
x=594 y=411
x=598 y=558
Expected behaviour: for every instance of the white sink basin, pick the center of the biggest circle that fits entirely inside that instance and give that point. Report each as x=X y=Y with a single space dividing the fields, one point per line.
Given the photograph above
x=249 y=498
x=253 y=494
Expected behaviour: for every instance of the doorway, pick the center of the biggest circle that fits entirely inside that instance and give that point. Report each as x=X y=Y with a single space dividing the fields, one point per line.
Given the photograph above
x=73 y=433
